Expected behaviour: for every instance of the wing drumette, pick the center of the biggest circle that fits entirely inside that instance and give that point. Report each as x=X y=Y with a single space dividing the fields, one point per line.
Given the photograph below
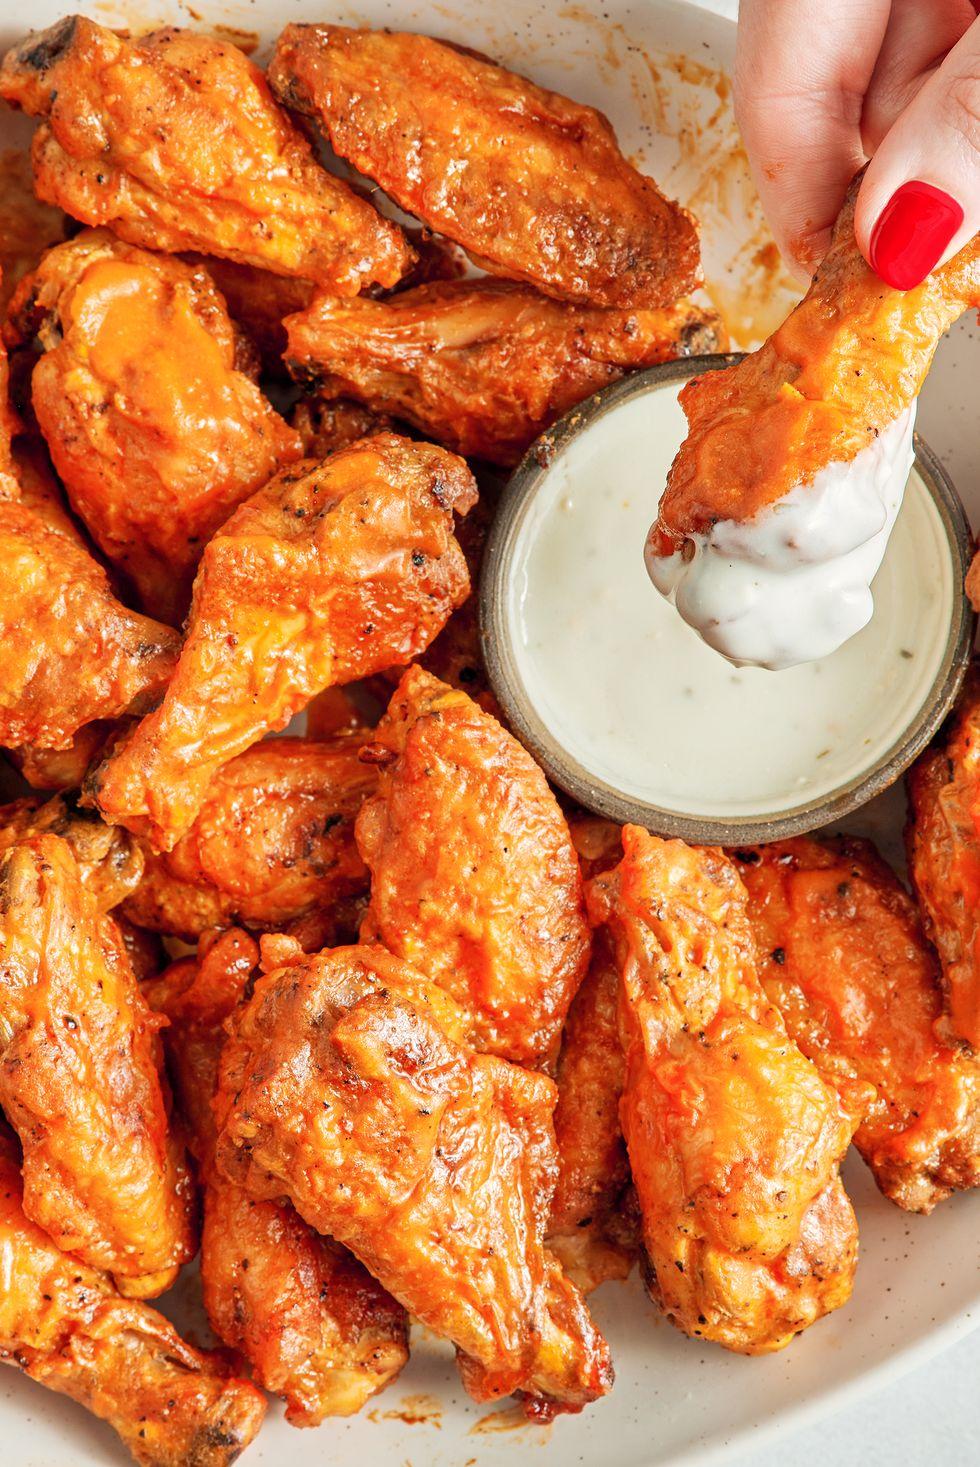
x=273 y=841
x=316 y=1327
x=108 y=860
x=79 y=1078
x=347 y=1084
x=844 y=959
x=483 y=366
x=531 y=184
x=734 y=1139
x=330 y=573
x=943 y=840
x=474 y=878
x=155 y=433
x=175 y=142
x=66 y=1327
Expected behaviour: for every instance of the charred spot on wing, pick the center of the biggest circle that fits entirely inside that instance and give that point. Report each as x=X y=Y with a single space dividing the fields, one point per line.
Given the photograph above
x=38 y=53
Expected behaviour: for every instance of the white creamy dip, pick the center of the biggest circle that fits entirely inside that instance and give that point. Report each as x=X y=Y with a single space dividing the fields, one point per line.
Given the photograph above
x=794 y=583
x=643 y=703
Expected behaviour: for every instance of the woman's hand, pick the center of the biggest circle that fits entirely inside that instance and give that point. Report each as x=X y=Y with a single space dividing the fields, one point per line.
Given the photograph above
x=819 y=89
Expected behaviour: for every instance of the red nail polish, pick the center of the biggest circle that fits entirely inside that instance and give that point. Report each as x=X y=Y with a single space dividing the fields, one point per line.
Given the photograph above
x=912 y=233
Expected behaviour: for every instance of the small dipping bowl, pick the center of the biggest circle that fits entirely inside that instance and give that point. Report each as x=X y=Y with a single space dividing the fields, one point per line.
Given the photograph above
x=624 y=706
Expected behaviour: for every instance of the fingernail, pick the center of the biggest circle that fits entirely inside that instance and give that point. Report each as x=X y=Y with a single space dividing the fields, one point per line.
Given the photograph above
x=912 y=233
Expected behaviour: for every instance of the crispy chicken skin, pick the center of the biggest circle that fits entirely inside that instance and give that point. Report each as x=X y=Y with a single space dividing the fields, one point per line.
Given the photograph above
x=326 y=424
x=532 y=185
x=843 y=366
x=943 y=841
x=108 y=859
x=62 y=769
x=347 y=1083
x=483 y=365
x=844 y=959
x=175 y=142
x=274 y=840
x=27 y=226
x=154 y=432
x=474 y=878
x=330 y=573
x=315 y=1327
x=66 y=1327
x=72 y=653
x=734 y=1138
x=79 y=1078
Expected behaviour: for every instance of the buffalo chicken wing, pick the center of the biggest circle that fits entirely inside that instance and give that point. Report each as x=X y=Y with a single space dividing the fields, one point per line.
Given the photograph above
x=347 y=1083
x=844 y=959
x=154 y=432
x=79 y=1078
x=734 y=1139
x=66 y=1327
x=332 y=572
x=532 y=185
x=483 y=366
x=474 y=878
x=175 y=142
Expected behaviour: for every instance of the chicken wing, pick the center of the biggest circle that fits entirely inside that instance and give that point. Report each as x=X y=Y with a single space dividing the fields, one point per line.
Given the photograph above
x=346 y=1082
x=155 y=434
x=27 y=226
x=532 y=185
x=474 y=879
x=175 y=142
x=274 y=840
x=943 y=839
x=66 y=1327
x=72 y=653
x=316 y=1328
x=62 y=769
x=79 y=1078
x=844 y=959
x=734 y=1139
x=483 y=366
x=330 y=573
x=108 y=860
x=844 y=365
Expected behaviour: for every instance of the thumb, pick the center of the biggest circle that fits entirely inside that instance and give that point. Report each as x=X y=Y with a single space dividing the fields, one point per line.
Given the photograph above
x=920 y=199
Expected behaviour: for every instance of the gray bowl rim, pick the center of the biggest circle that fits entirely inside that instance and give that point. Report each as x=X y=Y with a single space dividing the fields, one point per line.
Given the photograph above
x=603 y=798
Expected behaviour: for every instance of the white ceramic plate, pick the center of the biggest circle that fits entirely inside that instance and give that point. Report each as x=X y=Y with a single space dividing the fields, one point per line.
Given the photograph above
x=675 y=1400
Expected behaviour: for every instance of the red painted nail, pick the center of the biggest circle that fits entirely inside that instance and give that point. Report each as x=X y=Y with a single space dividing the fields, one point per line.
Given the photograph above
x=912 y=233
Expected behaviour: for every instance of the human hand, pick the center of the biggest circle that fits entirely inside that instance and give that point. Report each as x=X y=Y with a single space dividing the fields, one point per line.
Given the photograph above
x=820 y=90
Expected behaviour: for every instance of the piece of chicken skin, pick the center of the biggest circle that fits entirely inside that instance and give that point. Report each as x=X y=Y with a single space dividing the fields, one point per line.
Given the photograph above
x=79 y=1078
x=64 y=1325
x=326 y=424
x=348 y=1084
x=154 y=432
x=483 y=366
x=843 y=957
x=274 y=841
x=330 y=573
x=845 y=364
x=108 y=859
x=72 y=652
x=313 y=1324
x=474 y=878
x=592 y=1227
x=531 y=184
x=62 y=769
x=943 y=843
x=734 y=1139
x=175 y=142
x=27 y=226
